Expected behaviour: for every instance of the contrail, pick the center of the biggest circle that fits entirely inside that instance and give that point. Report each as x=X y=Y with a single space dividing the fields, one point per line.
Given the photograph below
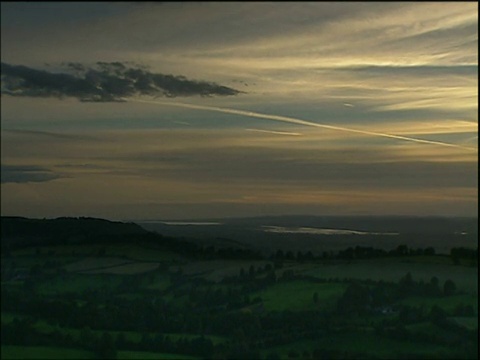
x=299 y=122
x=275 y=132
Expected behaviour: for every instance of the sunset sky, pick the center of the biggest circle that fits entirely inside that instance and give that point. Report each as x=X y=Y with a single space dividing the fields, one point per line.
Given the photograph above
x=196 y=110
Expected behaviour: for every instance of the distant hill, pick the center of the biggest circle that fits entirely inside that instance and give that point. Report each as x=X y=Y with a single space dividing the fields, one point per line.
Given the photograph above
x=441 y=233
x=19 y=231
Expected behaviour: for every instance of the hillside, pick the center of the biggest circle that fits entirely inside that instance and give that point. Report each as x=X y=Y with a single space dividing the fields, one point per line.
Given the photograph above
x=19 y=231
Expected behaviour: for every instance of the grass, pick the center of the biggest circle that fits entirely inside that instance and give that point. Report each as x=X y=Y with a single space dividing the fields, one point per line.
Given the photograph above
x=298 y=295
x=135 y=355
x=43 y=352
x=133 y=336
x=298 y=346
x=93 y=263
x=8 y=317
x=78 y=283
x=130 y=251
x=392 y=269
x=216 y=270
x=126 y=269
x=368 y=343
x=159 y=282
x=141 y=253
x=447 y=303
x=470 y=323
x=215 y=339
x=429 y=329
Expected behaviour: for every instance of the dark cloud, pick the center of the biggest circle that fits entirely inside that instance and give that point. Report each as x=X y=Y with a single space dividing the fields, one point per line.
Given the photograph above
x=103 y=82
x=25 y=174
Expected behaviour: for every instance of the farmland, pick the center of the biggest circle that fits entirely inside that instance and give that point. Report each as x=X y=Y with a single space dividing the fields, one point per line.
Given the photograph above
x=146 y=297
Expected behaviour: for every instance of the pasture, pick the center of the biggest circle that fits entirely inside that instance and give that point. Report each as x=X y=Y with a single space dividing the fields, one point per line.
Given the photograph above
x=144 y=355
x=14 y=352
x=298 y=295
x=125 y=269
x=448 y=303
x=386 y=348
x=393 y=269
x=217 y=270
x=470 y=323
x=93 y=263
x=78 y=283
x=128 y=273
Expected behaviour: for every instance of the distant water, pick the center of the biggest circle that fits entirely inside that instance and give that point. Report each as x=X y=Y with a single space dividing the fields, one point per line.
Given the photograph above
x=198 y=223
x=320 y=231
x=319 y=234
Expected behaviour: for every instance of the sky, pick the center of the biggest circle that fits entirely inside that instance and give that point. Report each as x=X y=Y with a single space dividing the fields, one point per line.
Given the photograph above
x=198 y=110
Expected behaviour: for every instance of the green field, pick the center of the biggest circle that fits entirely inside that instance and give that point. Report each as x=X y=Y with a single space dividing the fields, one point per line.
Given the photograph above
x=447 y=303
x=364 y=342
x=298 y=295
x=134 y=293
x=43 y=352
x=51 y=353
x=46 y=328
x=78 y=283
x=391 y=270
x=134 y=252
x=470 y=323
x=136 y=355
x=368 y=343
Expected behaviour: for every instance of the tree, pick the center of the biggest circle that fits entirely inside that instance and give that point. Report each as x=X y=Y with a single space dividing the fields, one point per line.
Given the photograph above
x=251 y=272
x=449 y=288
x=406 y=285
x=272 y=356
x=356 y=299
x=437 y=315
x=106 y=348
x=87 y=337
x=433 y=287
x=402 y=250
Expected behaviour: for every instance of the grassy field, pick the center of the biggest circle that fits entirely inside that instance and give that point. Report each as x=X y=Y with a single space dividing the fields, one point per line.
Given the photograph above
x=159 y=282
x=133 y=336
x=125 y=269
x=141 y=253
x=43 y=352
x=51 y=353
x=135 y=355
x=78 y=283
x=369 y=343
x=447 y=303
x=93 y=263
x=87 y=270
x=216 y=270
x=470 y=323
x=361 y=342
x=8 y=317
x=388 y=269
x=131 y=251
x=298 y=295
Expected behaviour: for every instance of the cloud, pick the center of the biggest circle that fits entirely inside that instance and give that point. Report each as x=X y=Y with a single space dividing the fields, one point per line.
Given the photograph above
x=103 y=82
x=26 y=174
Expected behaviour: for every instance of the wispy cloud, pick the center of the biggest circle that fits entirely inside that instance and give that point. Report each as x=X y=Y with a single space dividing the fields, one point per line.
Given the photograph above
x=384 y=96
